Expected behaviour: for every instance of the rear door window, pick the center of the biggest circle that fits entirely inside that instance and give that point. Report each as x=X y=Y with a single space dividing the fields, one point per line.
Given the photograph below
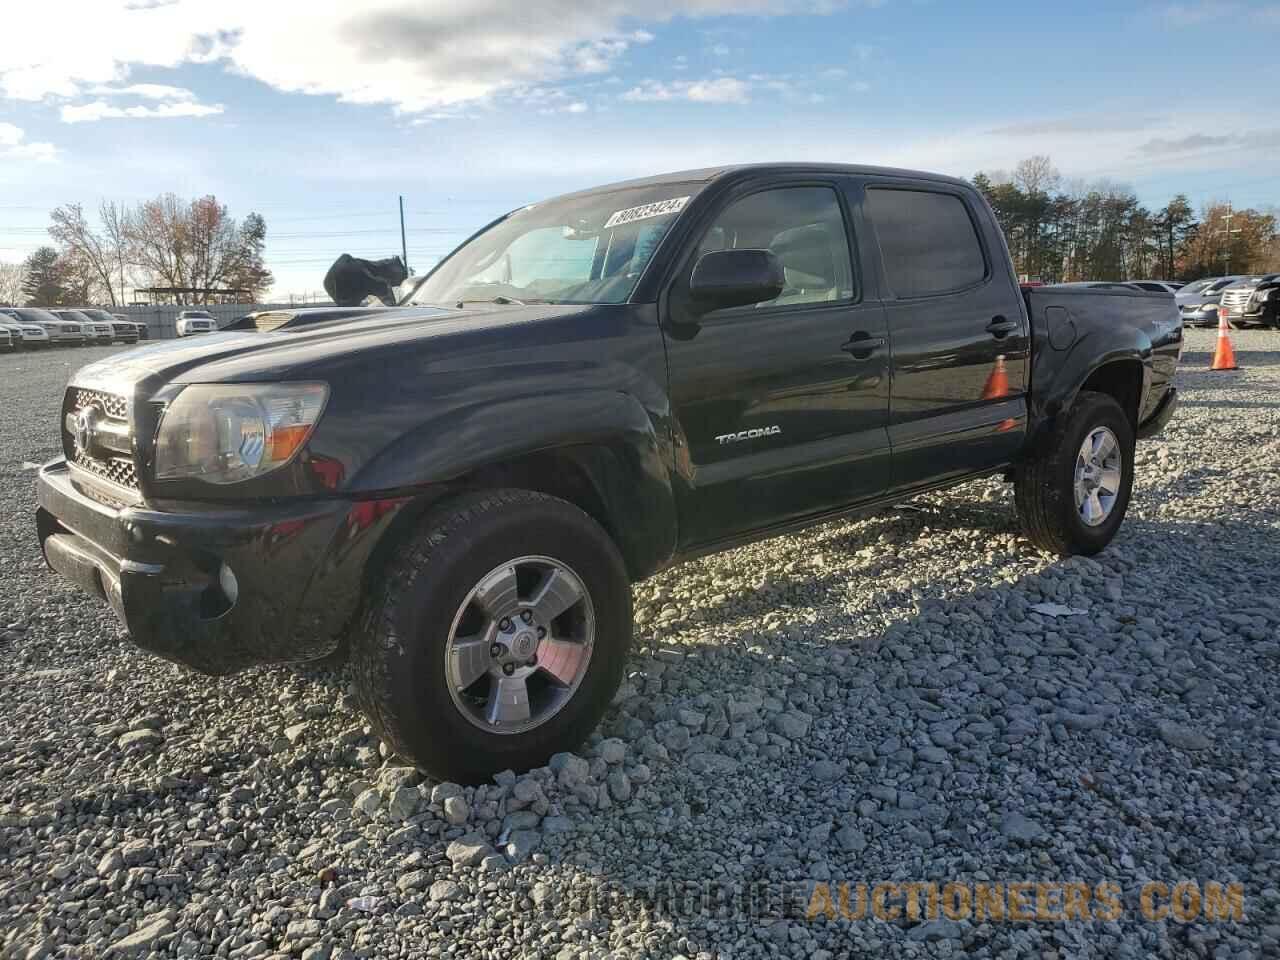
x=928 y=242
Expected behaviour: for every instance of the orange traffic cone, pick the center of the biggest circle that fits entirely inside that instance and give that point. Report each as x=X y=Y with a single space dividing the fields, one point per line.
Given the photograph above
x=1224 y=358
x=998 y=383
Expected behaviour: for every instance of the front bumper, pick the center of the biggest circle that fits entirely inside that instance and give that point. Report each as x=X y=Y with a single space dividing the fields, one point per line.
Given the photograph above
x=296 y=570
x=1162 y=415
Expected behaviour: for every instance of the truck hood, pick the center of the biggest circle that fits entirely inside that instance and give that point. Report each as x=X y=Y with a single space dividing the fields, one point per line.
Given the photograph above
x=306 y=337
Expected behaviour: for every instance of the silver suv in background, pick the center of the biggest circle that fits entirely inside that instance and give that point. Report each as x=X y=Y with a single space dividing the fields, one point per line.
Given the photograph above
x=124 y=332
x=1252 y=301
x=144 y=332
x=26 y=335
x=1198 y=300
x=63 y=333
x=192 y=322
x=94 y=331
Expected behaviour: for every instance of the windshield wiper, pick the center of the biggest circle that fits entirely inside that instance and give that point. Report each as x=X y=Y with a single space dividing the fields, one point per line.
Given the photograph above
x=498 y=299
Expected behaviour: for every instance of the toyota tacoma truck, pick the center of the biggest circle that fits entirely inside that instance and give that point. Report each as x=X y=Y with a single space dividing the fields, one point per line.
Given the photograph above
x=464 y=485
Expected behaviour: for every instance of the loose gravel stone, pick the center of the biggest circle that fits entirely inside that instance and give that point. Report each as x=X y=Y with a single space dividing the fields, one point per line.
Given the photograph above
x=873 y=699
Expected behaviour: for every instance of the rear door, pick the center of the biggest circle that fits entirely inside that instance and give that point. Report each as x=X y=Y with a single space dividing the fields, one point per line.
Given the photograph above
x=780 y=408
x=958 y=328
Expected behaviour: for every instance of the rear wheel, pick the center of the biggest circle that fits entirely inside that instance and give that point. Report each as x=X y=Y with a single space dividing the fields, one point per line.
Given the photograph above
x=498 y=636
x=1072 y=497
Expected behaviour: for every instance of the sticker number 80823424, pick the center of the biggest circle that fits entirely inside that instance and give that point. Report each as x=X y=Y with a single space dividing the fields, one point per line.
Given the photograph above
x=645 y=211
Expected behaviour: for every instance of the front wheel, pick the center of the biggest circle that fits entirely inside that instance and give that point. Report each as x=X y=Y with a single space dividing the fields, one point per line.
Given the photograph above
x=1072 y=496
x=498 y=635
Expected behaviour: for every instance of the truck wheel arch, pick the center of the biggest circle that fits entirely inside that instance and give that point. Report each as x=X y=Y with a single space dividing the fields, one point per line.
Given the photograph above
x=1123 y=379
x=605 y=456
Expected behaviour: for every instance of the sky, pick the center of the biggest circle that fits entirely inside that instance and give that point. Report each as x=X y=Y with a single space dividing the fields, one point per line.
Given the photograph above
x=320 y=115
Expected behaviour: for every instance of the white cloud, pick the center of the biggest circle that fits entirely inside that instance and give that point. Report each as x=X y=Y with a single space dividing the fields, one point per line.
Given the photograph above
x=417 y=55
x=1195 y=14
x=101 y=110
x=576 y=107
x=15 y=146
x=720 y=50
x=146 y=91
x=716 y=90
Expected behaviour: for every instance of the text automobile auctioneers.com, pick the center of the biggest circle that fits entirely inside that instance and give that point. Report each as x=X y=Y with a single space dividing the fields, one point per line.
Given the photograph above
x=1013 y=901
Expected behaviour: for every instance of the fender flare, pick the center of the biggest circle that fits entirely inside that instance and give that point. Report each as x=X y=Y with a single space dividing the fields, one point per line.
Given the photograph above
x=621 y=449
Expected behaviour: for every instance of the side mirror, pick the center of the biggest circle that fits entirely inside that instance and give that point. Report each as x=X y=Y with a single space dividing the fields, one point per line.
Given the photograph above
x=735 y=278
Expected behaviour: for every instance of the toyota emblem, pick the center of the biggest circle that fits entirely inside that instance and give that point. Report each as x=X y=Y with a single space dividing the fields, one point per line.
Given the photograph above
x=86 y=420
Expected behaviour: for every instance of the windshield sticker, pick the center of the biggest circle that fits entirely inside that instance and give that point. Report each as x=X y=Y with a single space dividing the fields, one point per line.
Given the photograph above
x=645 y=211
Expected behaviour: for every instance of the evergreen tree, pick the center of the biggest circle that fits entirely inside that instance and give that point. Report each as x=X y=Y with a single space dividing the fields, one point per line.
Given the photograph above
x=43 y=285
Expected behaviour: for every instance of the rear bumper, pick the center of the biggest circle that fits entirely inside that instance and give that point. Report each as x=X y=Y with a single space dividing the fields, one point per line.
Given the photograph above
x=1162 y=415
x=295 y=571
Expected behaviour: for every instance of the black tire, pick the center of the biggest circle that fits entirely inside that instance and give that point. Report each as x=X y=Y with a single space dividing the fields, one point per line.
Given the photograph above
x=1044 y=487
x=398 y=650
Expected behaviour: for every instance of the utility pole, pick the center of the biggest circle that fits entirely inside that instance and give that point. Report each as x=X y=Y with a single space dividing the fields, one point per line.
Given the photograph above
x=404 y=248
x=1227 y=232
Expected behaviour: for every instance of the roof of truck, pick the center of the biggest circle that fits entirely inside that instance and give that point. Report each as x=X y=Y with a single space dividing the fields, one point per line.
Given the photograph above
x=707 y=174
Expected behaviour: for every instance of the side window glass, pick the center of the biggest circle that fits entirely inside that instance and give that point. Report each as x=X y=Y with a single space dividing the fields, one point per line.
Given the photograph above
x=804 y=227
x=927 y=241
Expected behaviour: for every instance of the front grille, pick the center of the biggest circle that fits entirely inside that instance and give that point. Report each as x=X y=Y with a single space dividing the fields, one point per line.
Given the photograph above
x=1234 y=301
x=119 y=470
x=115 y=468
x=113 y=405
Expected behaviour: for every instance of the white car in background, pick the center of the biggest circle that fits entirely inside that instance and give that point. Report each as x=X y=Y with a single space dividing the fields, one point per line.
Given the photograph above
x=192 y=322
x=26 y=335
x=61 y=332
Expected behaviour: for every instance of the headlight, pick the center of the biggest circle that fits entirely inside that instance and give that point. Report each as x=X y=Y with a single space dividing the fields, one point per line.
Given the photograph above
x=1208 y=306
x=1264 y=294
x=224 y=433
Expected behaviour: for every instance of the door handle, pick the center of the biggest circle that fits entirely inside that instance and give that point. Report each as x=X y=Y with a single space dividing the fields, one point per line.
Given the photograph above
x=861 y=345
x=1000 y=328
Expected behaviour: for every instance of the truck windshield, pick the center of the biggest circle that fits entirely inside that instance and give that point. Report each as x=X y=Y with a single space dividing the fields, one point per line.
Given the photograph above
x=589 y=248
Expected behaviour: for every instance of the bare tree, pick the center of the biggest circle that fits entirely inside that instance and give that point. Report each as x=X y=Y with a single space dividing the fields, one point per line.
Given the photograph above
x=1036 y=175
x=88 y=256
x=12 y=276
x=115 y=229
x=195 y=245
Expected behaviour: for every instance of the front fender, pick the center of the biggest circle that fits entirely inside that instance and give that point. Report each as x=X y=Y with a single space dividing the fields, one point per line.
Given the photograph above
x=609 y=435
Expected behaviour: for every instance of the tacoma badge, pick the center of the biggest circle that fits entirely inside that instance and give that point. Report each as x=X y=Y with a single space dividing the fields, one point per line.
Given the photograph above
x=751 y=434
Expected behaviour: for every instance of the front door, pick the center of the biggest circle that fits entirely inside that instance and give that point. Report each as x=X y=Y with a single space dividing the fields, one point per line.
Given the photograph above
x=780 y=408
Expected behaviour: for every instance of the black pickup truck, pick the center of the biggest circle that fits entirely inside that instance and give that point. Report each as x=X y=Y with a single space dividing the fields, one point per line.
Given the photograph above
x=588 y=390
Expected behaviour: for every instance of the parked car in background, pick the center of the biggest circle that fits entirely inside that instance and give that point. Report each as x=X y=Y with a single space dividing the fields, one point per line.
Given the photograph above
x=144 y=332
x=26 y=335
x=1156 y=286
x=64 y=333
x=7 y=343
x=121 y=332
x=192 y=322
x=1252 y=301
x=95 y=331
x=1198 y=302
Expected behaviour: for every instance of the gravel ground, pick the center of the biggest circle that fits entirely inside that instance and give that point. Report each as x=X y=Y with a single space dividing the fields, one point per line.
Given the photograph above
x=868 y=701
